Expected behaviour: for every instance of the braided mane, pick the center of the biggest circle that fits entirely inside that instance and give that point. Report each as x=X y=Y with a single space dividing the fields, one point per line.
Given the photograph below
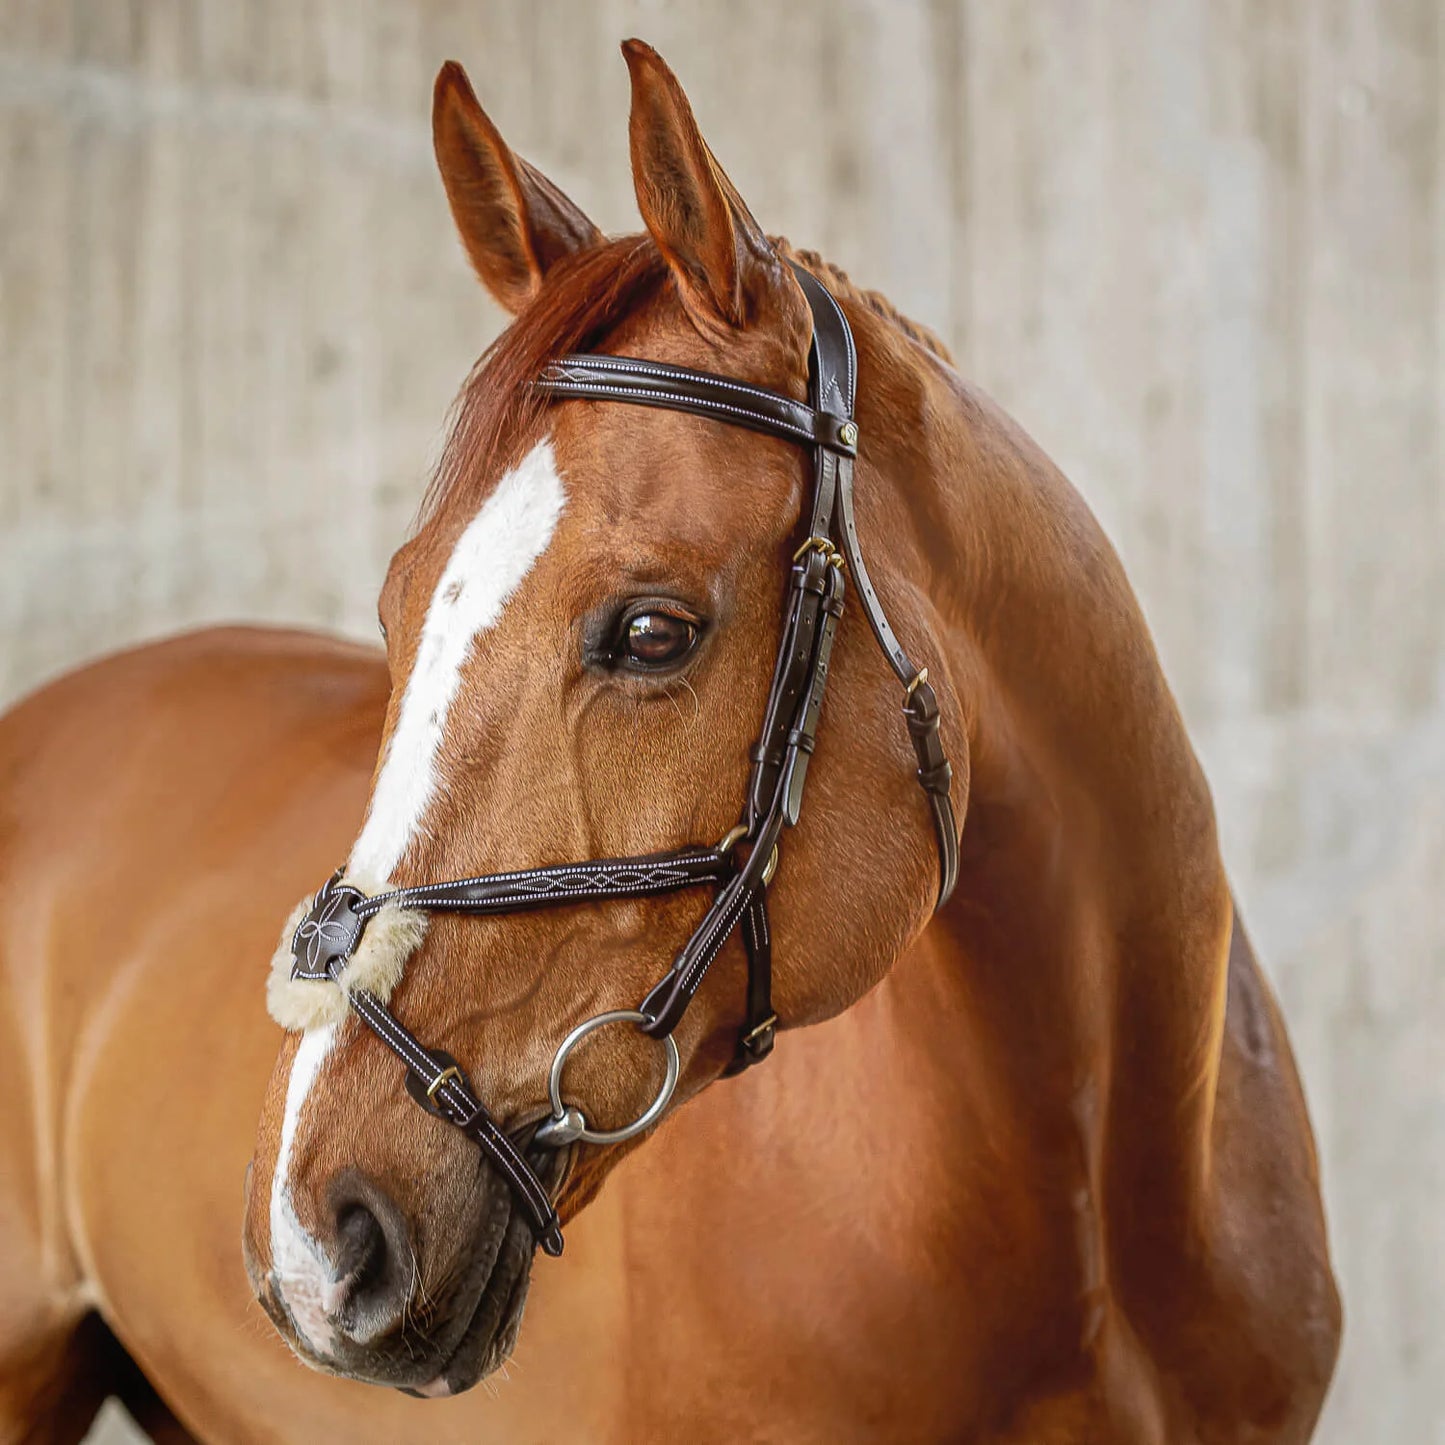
x=838 y=282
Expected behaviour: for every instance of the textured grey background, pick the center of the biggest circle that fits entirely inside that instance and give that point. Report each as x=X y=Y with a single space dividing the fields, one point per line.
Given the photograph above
x=1196 y=246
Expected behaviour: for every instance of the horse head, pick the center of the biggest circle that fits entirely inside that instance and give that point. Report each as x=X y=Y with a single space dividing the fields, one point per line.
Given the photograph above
x=580 y=637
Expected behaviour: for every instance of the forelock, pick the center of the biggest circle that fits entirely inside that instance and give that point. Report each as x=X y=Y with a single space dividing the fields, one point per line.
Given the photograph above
x=497 y=415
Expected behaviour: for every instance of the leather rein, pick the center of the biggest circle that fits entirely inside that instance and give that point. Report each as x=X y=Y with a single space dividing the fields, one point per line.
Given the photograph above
x=327 y=937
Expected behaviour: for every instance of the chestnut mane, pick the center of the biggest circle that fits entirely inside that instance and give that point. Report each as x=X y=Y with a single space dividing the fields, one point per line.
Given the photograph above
x=497 y=410
x=586 y=296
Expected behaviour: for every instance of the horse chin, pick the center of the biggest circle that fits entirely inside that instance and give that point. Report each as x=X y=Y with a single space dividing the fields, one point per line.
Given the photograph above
x=490 y=1335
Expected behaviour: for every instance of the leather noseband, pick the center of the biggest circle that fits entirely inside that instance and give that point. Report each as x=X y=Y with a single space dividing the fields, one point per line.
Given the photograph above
x=340 y=913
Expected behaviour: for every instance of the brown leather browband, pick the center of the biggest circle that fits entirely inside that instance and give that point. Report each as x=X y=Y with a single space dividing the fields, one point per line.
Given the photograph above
x=340 y=912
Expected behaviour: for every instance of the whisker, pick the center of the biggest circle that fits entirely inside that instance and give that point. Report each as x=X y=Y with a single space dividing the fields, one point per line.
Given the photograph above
x=696 y=701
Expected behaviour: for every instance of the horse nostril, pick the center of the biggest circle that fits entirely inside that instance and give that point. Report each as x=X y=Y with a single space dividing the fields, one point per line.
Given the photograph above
x=373 y=1271
x=361 y=1248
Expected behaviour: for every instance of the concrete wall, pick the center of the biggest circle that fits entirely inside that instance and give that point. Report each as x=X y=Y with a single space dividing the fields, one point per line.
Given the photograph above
x=1197 y=246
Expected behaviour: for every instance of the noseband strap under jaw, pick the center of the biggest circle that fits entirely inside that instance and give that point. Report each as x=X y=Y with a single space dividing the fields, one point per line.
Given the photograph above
x=328 y=935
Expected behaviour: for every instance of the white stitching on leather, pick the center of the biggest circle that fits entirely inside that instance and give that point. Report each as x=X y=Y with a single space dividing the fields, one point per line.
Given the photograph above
x=594 y=387
x=680 y=861
x=663 y=373
x=402 y=1043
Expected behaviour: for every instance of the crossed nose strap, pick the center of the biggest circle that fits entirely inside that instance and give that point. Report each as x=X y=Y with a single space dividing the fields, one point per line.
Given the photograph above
x=321 y=948
x=327 y=937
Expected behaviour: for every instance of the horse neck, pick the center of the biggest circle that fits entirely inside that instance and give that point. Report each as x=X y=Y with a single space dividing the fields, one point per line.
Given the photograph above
x=1074 y=987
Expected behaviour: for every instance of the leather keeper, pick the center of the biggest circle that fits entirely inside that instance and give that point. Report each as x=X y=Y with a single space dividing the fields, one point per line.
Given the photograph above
x=936 y=780
x=752 y=1050
x=416 y=1086
x=921 y=711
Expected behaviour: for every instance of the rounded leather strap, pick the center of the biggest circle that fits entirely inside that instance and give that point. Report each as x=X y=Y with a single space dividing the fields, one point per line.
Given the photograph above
x=625 y=378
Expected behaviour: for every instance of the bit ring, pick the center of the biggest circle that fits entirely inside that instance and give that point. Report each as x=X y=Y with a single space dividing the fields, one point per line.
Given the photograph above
x=568 y=1125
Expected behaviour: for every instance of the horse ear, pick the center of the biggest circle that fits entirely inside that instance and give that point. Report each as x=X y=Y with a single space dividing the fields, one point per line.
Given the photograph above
x=513 y=221
x=718 y=254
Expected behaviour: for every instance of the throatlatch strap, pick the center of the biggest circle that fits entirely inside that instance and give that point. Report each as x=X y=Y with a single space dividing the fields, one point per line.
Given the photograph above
x=920 y=704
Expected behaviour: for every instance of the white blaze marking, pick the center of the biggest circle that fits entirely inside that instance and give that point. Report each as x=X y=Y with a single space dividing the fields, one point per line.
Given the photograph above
x=298 y=1262
x=487 y=566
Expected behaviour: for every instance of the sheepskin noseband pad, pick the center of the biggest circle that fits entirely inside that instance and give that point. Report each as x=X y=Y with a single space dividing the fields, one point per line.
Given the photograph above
x=328 y=950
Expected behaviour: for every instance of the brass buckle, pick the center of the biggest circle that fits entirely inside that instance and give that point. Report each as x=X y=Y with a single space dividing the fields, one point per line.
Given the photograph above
x=450 y=1072
x=915 y=685
x=735 y=835
x=768 y=1023
x=816 y=544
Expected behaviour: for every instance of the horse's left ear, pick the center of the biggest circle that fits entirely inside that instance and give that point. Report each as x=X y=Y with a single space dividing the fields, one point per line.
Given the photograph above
x=513 y=221
x=722 y=262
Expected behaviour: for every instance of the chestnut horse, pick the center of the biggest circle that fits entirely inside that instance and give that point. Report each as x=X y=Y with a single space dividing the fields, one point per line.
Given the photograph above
x=1035 y=1167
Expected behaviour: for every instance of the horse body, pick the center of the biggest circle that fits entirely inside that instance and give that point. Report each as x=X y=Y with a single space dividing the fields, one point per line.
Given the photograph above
x=1040 y=1171
x=897 y=1228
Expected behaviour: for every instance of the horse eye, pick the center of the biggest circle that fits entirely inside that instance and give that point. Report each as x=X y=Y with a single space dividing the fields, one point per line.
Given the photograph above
x=654 y=639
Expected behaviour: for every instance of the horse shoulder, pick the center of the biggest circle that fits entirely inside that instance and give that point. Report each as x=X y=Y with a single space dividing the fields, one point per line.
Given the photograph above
x=137 y=796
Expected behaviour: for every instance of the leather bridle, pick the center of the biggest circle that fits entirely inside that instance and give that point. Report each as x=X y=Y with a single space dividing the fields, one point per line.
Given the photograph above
x=328 y=936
